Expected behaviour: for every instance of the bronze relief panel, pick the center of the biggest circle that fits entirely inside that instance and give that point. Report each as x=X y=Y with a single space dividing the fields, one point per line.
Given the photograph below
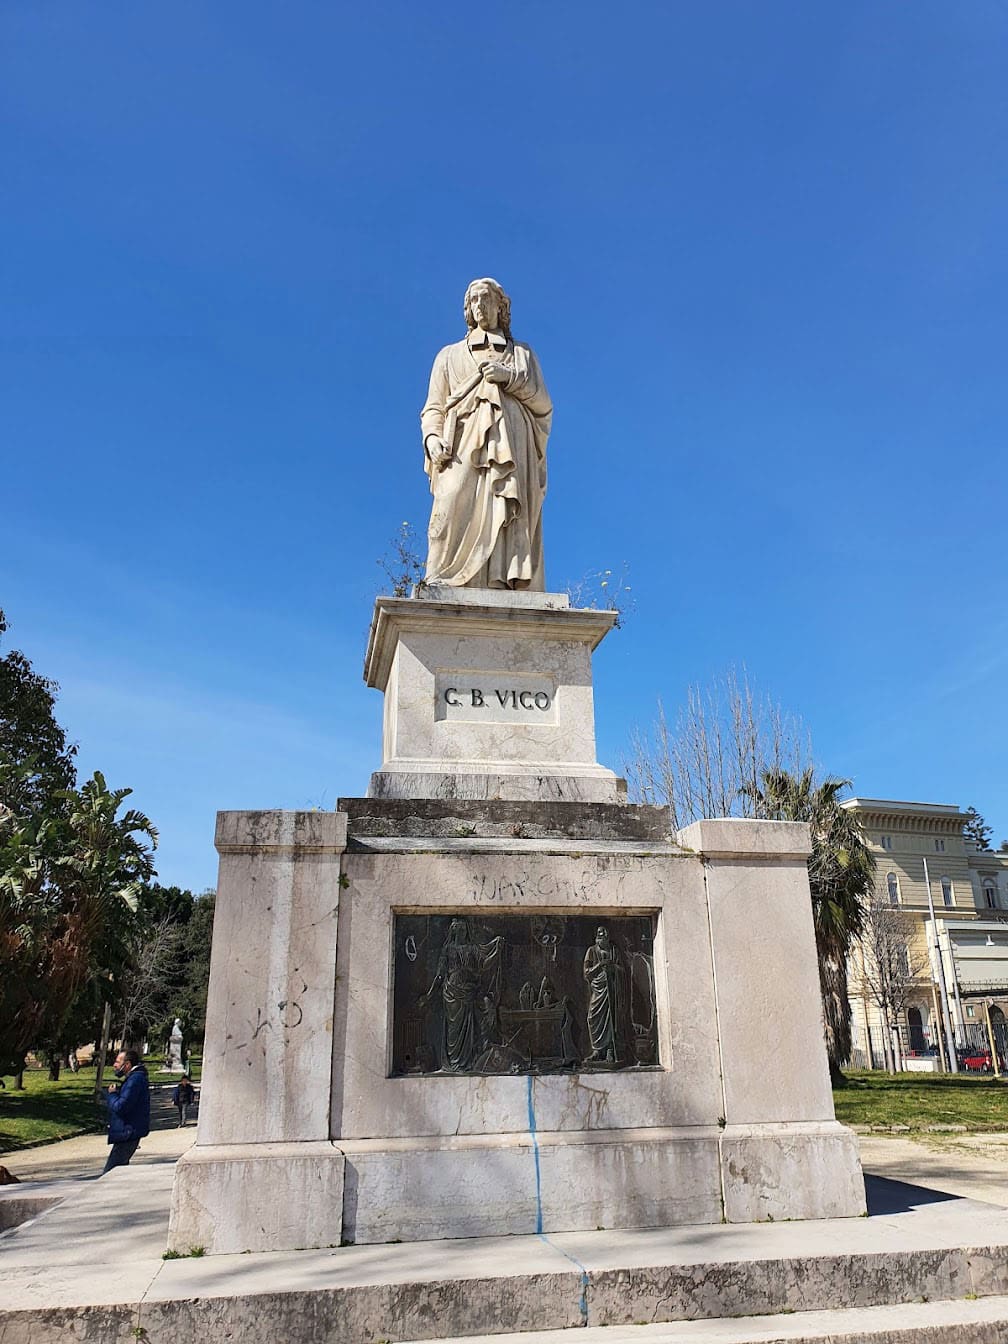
x=536 y=993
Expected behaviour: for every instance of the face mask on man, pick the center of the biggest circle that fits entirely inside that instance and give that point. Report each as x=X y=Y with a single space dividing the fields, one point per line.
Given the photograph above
x=120 y=1070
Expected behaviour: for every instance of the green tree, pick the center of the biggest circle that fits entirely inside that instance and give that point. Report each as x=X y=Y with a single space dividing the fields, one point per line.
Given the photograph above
x=29 y=914
x=30 y=738
x=71 y=866
x=107 y=860
x=192 y=998
x=36 y=771
x=841 y=878
x=977 y=830
x=169 y=964
x=68 y=888
x=155 y=903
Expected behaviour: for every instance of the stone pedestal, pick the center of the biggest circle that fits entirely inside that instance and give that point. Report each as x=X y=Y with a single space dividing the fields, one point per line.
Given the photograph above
x=487 y=695
x=494 y=998
x=731 y=1119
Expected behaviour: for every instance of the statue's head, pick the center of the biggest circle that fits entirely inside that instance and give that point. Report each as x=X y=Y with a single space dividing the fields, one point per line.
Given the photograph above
x=458 y=930
x=487 y=294
x=602 y=936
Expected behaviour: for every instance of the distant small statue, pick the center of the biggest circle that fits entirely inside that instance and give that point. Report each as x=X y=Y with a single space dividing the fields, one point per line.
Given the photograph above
x=173 y=1063
x=485 y=426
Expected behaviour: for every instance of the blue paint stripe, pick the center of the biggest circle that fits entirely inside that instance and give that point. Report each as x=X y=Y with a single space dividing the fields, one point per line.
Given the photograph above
x=583 y=1300
x=535 y=1153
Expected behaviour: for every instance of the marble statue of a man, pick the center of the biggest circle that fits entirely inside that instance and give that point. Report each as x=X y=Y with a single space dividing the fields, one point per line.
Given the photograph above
x=485 y=426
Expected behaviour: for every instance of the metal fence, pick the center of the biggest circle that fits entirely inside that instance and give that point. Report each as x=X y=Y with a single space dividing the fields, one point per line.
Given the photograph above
x=914 y=1049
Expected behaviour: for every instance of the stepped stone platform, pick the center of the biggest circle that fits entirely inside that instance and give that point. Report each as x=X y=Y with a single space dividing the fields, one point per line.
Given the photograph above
x=922 y=1267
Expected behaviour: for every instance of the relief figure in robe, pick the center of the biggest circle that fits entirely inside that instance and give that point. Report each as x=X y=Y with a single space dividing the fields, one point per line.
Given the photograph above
x=607 y=1000
x=469 y=974
x=485 y=426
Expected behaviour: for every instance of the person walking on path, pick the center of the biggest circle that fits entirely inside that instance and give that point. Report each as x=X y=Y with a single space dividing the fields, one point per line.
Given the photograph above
x=129 y=1109
x=183 y=1096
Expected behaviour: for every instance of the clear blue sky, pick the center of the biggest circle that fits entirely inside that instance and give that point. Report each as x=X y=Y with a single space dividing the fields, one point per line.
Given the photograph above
x=760 y=250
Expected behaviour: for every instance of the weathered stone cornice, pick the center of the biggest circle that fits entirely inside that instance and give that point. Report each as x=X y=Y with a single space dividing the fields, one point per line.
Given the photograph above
x=547 y=618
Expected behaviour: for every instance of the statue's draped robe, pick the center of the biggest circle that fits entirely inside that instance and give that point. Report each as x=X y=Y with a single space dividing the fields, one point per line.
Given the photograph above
x=486 y=521
x=469 y=972
x=607 y=1004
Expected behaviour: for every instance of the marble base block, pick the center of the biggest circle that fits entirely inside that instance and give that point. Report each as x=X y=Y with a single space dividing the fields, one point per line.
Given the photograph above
x=231 y=1198
x=791 y=1171
x=428 y=1189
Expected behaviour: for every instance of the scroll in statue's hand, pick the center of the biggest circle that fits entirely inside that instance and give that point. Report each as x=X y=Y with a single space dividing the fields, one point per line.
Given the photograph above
x=495 y=372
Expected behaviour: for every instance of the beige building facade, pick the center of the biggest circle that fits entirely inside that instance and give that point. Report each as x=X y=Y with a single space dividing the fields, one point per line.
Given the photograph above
x=969 y=891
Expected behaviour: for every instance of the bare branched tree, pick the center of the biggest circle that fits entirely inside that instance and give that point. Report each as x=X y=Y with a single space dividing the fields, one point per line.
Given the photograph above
x=711 y=761
x=891 y=962
x=733 y=752
x=144 y=1000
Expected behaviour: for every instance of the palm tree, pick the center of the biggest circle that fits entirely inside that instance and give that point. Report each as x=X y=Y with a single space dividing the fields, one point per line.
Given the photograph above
x=841 y=878
x=28 y=907
x=68 y=887
x=106 y=861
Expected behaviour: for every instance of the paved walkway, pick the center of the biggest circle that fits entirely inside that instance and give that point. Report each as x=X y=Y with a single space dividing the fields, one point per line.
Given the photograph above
x=970 y=1166
x=91 y=1266
x=84 y=1156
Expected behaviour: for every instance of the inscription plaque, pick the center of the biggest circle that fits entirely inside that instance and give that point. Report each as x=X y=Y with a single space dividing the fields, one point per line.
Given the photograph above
x=536 y=993
x=467 y=697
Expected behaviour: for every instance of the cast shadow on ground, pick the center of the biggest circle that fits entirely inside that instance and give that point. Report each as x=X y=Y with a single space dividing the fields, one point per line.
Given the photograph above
x=887 y=1196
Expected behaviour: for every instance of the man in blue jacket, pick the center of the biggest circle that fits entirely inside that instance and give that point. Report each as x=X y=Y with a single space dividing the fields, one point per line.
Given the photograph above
x=129 y=1109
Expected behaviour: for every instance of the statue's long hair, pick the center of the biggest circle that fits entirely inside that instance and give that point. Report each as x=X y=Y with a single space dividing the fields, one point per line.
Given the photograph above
x=503 y=304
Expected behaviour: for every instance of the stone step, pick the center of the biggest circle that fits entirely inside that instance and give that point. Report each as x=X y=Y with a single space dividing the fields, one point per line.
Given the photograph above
x=980 y=1321
x=90 y=1269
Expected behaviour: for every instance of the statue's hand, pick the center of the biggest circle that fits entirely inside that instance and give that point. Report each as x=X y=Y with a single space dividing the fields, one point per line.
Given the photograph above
x=438 y=451
x=495 y=372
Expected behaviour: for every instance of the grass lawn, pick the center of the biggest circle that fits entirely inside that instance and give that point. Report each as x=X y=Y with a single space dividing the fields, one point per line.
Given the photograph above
x=921 y=1099
x=47 y=1111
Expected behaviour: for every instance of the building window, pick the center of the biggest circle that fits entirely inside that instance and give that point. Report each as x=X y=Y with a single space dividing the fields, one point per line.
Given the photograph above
x=892 y=886
x=939 y=846
x=885 y=841
x=990 y=894
x=948 y=896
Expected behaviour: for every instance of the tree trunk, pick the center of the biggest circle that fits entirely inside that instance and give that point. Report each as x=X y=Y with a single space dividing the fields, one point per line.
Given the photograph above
x=19 y=1080
x=54 y=1069
x=836 y=1011
x=101 y=1059
x=897 y=1048
x=887 y=1054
